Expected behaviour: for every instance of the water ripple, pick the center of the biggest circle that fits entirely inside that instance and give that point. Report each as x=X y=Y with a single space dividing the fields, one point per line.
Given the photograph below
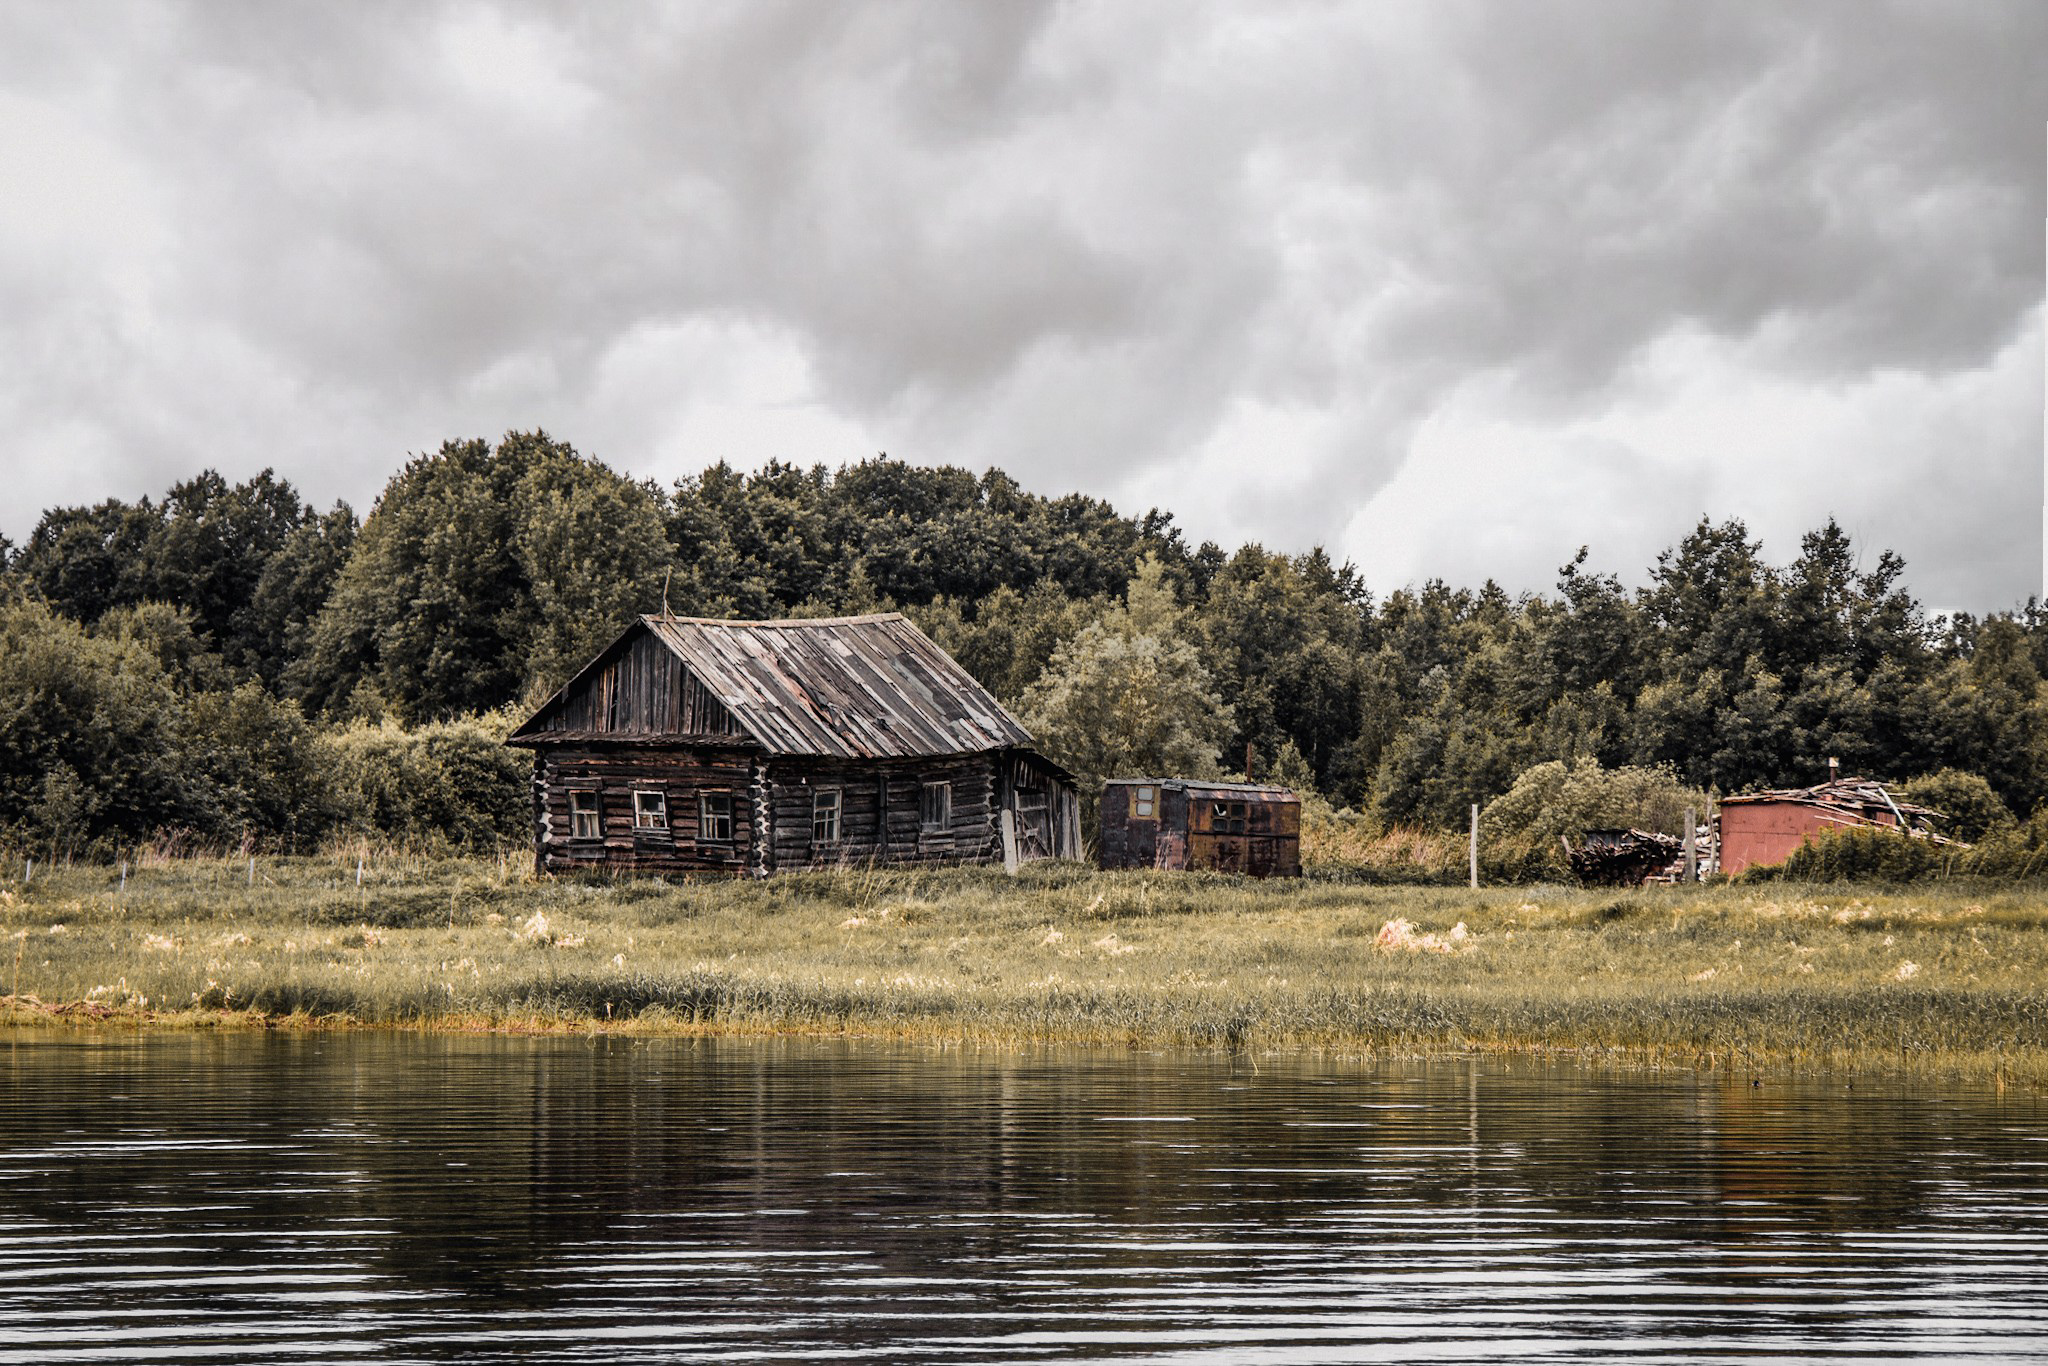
x=398 y=1199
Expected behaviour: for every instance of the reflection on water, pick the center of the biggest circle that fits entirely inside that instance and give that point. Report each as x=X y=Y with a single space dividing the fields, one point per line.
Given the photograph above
x=401 y=1198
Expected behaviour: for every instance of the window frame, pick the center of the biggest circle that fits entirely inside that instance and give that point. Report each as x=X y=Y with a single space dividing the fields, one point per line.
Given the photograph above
x=710 y=820
x=647 y=827
x=836 y=810
x=943 y=790
x=1145 y=802
x=577 y=832
x=1230 y=818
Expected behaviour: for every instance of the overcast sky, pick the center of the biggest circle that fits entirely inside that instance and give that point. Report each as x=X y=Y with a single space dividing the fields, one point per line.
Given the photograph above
x=1450 y=289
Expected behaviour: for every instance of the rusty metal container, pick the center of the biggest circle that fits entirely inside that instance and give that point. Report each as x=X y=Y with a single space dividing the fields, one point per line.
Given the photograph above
x=1179 y=823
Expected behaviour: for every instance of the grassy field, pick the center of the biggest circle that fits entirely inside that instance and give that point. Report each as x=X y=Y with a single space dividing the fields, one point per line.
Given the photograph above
x=1724 y=976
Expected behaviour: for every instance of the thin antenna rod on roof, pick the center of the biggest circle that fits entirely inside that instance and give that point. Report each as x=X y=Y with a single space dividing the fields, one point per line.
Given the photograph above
x=664 y=589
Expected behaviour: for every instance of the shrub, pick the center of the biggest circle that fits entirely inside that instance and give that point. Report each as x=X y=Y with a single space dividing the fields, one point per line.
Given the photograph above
x=1859 y=853
x=447 y=783
x=1570 y=798
x=1972 y=810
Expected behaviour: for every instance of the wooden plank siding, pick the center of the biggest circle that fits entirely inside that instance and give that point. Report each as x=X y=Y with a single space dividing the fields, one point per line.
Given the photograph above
x=639 y=688
x=1047 y=807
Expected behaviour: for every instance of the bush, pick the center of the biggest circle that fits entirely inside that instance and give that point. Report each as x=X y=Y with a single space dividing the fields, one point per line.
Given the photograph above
x=1859 y=853
x=1970 y=807
x=1570 y=798
x=250 y=768
x=87 y=743
x=448 y=783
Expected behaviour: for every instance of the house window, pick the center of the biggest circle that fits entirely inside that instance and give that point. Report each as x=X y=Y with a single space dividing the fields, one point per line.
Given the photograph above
x=935 y=806
x=1144 y=803
x=825 y=816
x=584 y=823
x=650 y=810
x=714 y=817
x=1228 y=818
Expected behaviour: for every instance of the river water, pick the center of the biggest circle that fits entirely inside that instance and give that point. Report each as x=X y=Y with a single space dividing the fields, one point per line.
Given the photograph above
x=254 y=1198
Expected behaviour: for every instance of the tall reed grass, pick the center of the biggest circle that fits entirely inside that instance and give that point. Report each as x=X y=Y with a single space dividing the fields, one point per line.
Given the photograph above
x=1732 y=975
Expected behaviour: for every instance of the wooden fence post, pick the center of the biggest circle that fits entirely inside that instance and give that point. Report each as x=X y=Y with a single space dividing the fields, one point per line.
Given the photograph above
x=1692 y=849
x=1475 y=844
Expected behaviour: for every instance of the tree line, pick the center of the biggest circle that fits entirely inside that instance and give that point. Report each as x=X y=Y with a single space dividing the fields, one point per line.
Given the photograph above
x=226 y=664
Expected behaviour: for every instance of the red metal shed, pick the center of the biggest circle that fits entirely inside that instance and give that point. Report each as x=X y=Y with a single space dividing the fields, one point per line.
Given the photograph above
x=1769 y=827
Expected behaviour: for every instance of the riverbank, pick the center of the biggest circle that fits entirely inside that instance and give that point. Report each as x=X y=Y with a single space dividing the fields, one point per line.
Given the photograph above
x=1777 y=975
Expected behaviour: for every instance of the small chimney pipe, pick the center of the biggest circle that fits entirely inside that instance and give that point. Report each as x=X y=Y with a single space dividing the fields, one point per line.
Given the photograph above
x=1834 y=768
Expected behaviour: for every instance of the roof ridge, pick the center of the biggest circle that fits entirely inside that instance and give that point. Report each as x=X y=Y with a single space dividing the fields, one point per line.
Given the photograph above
x=864 y=619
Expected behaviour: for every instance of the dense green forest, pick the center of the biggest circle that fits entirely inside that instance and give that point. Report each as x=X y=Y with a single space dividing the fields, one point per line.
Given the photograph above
x=227 y=666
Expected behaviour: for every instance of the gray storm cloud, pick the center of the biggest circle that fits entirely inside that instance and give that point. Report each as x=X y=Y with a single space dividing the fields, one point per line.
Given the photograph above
x=1271 y=266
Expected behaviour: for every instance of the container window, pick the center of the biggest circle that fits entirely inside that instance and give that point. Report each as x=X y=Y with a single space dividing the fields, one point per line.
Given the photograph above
x=650 y=810
x=935 y=806
x=714 y=817
x=584 y=822
x=1229 y=818
x=825 y=816
x=1144 y=802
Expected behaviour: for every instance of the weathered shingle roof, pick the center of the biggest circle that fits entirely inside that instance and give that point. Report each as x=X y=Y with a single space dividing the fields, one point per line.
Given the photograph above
x=847 y=687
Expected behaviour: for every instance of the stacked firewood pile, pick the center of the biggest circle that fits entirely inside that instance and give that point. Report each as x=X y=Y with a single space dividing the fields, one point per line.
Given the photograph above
x=1626 y=858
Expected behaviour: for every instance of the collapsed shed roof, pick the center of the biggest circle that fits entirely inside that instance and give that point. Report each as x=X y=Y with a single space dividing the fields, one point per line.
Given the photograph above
x=844 y=687
x=1262 y=791
x=1859 y=799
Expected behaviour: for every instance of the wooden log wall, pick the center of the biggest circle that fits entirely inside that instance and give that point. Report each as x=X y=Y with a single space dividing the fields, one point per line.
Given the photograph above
x=773 y=806
x=880 y=811
x=681 y=775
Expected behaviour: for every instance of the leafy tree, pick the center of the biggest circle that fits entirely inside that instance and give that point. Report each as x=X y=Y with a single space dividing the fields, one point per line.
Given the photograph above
x=83 y=561
x=1282 y=636
x=1558 y=798
x=1011 y=636
x=87 y=731
x=484 y=575
x=205 y=547
x=591 y=550
x=429 y=608
x=297 y=580
x=1591 y=637
x=1128 y=697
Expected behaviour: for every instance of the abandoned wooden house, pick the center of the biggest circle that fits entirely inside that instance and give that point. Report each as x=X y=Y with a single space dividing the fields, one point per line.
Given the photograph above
x=1181 y=823
x=691 y=745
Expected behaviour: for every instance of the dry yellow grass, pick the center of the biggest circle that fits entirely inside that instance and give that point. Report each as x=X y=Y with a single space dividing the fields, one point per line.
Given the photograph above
x=1730 y=976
